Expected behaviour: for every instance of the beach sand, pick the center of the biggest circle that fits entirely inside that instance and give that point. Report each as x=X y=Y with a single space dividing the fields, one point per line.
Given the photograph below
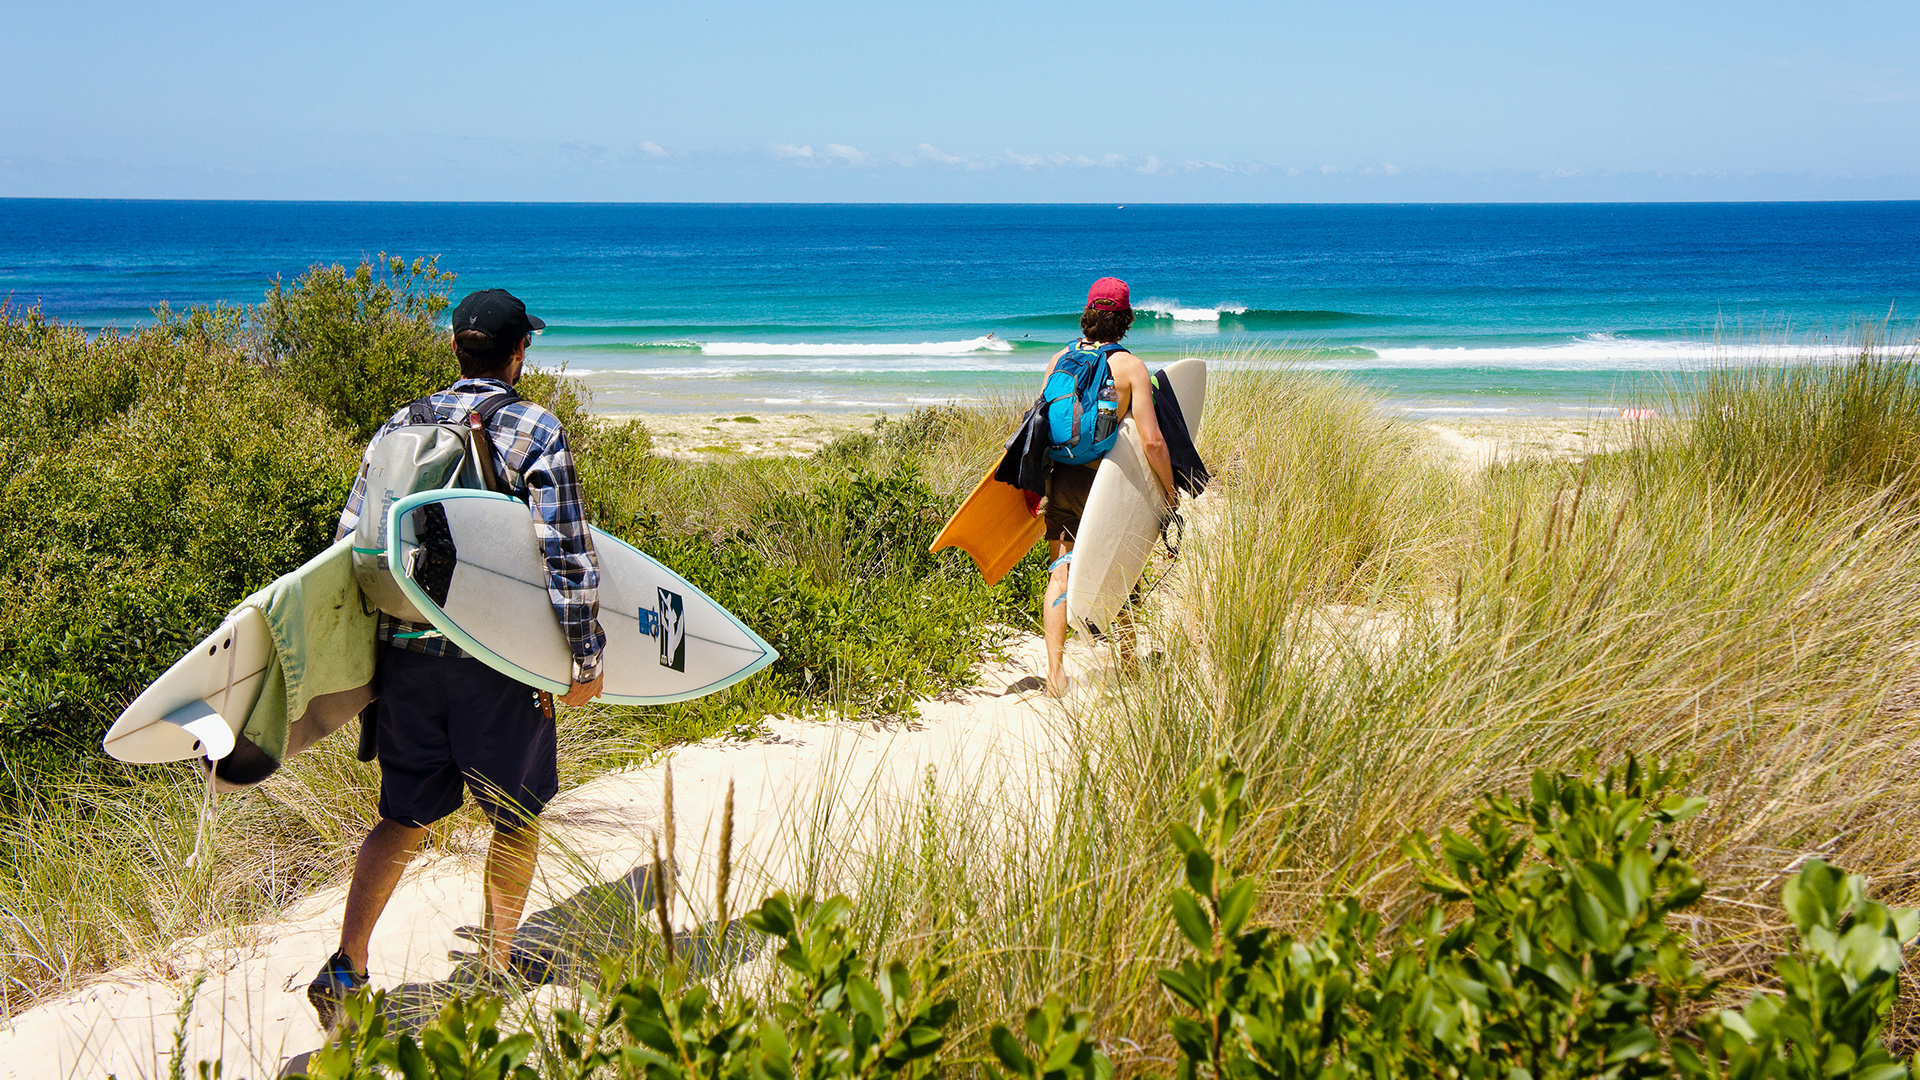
x=711 y=435
x=1474 y=445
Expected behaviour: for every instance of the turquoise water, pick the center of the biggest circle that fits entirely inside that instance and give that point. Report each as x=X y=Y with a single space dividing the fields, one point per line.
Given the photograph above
x=1448 y=309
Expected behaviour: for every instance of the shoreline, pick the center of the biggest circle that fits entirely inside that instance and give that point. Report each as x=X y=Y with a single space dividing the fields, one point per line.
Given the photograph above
x=707 y=435
x=1474 y=442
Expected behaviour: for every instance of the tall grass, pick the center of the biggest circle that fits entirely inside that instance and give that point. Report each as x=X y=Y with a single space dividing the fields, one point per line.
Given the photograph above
x=98 y=866
x=1376 y=641
x=1846 y=422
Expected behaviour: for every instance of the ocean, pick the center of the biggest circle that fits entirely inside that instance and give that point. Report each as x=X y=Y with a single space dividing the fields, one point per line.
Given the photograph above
x=1539 y=310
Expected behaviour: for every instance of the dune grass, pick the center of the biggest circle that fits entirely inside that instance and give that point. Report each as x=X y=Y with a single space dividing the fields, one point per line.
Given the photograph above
x=1377 y=641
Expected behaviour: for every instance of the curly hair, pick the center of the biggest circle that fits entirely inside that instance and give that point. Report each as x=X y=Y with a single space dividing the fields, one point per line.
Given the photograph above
x=480 y=355
x=1105 y=324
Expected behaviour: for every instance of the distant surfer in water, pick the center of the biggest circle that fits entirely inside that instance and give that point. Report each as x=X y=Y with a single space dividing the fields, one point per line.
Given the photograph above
x=1108 y=316
x=446 y=721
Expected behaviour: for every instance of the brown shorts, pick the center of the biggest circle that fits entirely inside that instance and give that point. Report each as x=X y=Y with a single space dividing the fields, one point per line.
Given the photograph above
x=1067 y=497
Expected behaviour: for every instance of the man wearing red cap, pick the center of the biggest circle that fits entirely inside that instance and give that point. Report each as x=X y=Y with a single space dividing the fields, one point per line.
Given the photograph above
x=1108 y=316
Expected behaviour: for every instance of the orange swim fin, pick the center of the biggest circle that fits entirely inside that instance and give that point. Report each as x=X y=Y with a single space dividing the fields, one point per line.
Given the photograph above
x=996 y=525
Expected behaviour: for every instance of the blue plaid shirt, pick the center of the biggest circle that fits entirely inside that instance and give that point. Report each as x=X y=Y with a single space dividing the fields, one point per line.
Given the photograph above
x=530 y=456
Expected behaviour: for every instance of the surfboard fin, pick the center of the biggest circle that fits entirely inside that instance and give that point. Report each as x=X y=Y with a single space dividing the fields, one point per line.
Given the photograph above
x=199 y=720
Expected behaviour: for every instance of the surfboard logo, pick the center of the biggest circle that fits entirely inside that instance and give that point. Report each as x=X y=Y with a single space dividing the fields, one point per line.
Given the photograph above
x=673 y=631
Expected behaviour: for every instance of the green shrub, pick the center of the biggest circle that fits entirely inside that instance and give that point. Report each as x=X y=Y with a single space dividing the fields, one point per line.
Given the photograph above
x=1557 y=963
x=1547 y=954
x=360 y=343
x=121 y=548
x=837 y=1017
x=837 y=577
x=903 y=444
x=55 y=384
x=154 y=479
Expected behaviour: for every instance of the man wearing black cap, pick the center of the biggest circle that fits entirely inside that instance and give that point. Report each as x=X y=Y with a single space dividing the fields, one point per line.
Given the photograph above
x=445 y=720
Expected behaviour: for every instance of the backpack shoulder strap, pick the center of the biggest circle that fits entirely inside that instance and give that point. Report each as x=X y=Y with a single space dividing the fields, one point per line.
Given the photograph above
x=421 y=411
x=493 y=404
x=1100 y=372
x=482 y=443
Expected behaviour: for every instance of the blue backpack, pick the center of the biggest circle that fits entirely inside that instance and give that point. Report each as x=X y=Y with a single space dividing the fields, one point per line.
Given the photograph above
x=1082 y=419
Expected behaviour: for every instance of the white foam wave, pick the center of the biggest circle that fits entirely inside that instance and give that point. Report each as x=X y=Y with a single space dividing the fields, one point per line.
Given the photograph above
x=792 y=366
x=1173 y=309
x=1594 y=352
x=834 y=402
x=988 y=343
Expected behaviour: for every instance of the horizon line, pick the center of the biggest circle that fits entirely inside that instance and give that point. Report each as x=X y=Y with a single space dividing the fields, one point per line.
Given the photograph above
x=953 y=203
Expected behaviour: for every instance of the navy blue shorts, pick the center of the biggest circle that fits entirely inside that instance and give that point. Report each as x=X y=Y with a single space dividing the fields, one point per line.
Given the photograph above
x=447 y=723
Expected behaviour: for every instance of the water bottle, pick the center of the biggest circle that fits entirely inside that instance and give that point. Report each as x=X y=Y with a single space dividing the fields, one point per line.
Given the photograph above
x=1108 y=413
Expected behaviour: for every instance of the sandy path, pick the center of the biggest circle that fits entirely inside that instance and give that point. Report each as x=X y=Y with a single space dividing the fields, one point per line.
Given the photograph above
x=805 y=782
x=1476 y=444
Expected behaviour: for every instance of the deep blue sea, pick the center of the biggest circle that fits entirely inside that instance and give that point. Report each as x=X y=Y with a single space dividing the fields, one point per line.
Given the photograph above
x=1445 y=309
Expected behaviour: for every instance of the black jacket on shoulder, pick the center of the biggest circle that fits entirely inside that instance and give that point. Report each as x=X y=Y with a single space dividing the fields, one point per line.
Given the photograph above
x=1027 y=466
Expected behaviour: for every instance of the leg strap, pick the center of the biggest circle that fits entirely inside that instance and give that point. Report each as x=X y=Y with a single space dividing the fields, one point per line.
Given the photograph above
x=1060 y=562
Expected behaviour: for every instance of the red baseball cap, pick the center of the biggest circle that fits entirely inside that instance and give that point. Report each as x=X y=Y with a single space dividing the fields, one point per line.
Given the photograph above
x=1109 y=294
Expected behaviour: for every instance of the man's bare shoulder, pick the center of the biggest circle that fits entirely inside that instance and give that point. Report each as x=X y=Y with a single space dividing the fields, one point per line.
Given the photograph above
x=1126 y=365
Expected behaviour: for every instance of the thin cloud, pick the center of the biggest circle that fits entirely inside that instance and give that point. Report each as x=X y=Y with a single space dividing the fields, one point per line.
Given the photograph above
x=932 y=153
x=926 y=154
x=848 y=154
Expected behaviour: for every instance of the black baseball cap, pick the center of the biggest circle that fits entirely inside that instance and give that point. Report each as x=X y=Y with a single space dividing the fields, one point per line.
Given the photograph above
x=497 y=313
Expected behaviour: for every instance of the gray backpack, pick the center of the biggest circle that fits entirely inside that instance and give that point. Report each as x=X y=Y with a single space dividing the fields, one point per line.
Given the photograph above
x=424 y=454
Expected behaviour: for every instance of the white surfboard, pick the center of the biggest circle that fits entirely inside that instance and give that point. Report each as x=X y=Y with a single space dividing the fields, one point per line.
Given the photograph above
x=666 y=640
x=1124 y=512
x=195 y=707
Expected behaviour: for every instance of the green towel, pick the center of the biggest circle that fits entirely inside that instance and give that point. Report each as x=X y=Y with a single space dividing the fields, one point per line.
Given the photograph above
x=325 y=641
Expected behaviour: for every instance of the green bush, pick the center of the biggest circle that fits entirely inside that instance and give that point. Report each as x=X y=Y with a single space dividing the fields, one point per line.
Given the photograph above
x=1546 y=954
x=122 y=546
x=156 y=478
x=837 y=1017
x=838 y=579
x=55 y=384
x=360 y=343
x=1559 y=962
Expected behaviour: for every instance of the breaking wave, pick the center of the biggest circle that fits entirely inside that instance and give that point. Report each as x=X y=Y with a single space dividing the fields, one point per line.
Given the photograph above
x=988 y=343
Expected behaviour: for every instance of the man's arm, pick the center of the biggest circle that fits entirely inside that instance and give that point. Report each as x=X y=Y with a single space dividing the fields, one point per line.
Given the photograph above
x=1134 y=397
x=573 y=569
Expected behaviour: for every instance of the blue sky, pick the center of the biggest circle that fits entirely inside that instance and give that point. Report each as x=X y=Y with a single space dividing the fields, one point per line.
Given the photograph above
x=740 y=100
